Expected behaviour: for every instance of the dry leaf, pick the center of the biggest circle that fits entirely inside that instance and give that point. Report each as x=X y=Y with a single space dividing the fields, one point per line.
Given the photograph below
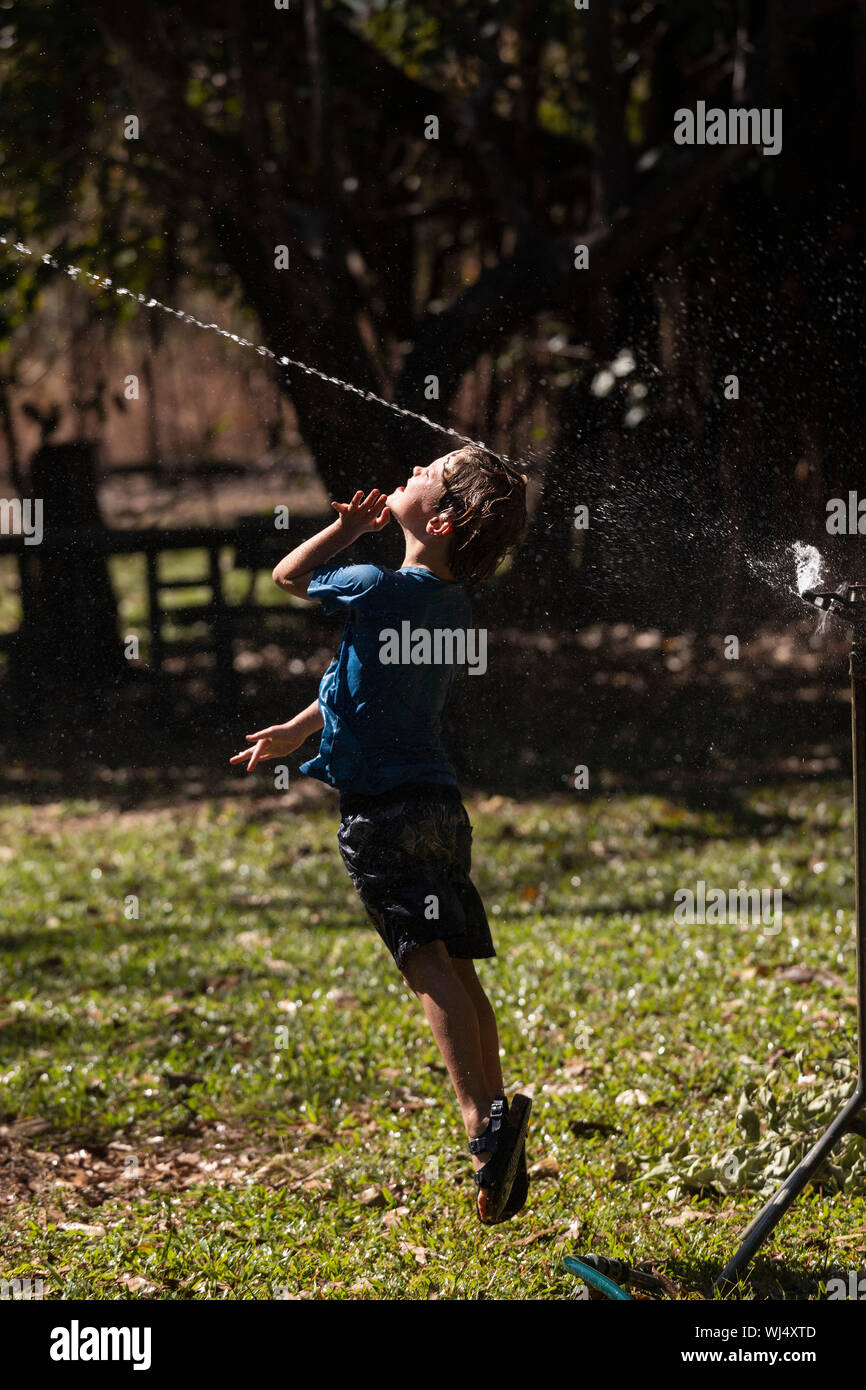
x=632 y=1097
x=372 y=1197
x=23 y=1128
x=688 y=1214
x=134 y=1282
x=341 y=999
x=544 y=1168
x=543 y=1234
x=417 y=1250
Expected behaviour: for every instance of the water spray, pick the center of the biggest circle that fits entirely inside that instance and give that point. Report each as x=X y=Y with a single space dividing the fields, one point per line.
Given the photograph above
x=282 y=360
x=848 y=603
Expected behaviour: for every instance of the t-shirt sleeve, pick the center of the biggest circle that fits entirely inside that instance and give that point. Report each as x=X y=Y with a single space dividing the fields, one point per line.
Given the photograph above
x=358 y=587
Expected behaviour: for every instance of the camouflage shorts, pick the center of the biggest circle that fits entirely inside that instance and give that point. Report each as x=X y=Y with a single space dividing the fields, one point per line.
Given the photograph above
x=408 y=854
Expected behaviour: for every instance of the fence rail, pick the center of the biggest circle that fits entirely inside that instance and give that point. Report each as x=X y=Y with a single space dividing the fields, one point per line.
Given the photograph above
x=256 y=544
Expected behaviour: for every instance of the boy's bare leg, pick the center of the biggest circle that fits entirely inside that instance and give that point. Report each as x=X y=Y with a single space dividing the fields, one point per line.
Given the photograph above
x=452 y=1014
x=465 y=971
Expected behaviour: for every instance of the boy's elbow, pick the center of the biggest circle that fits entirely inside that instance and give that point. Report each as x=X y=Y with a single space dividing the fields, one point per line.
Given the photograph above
x=297 y=587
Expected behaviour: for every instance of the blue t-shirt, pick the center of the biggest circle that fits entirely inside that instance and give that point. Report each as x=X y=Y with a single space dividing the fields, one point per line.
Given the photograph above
x=382 y=717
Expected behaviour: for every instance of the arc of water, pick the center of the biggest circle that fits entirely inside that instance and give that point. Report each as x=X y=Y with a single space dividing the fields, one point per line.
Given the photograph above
x=282 y=360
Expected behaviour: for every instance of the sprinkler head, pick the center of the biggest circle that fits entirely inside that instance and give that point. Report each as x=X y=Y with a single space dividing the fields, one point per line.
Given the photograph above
x=847 y=602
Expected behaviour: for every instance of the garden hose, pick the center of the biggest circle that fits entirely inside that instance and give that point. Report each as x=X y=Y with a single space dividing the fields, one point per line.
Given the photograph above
x=596 y=1279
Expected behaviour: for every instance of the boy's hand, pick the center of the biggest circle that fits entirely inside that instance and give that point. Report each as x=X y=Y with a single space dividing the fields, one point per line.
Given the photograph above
x=274 y=742
x=363 y=513
x=370 y=513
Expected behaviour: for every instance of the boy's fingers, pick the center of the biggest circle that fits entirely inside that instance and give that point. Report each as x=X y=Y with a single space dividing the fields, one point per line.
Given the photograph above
x=255 y=757
x=262 y=757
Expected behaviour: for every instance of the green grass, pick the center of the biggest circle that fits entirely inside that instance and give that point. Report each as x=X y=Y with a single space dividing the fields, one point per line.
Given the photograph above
x=214 y=1082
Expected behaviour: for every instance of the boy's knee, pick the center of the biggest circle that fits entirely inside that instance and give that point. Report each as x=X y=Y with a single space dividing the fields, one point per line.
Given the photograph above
x=423 y=963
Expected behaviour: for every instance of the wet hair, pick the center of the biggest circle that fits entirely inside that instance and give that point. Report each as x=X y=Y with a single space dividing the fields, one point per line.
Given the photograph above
x=486 y=498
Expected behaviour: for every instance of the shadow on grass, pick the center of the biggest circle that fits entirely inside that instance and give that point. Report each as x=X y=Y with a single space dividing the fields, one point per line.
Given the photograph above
x=765 y=1279
x=695 y=726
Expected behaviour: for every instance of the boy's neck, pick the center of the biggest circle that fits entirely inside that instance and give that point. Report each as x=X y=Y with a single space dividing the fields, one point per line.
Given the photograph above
x=426 y=557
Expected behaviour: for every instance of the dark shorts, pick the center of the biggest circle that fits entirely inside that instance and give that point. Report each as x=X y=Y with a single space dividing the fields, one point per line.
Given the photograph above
x=408 y=853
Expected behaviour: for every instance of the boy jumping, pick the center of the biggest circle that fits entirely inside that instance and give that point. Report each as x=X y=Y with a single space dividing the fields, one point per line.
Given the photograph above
x=404 y=834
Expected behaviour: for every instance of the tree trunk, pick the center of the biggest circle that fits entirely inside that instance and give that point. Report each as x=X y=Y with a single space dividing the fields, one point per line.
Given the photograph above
x=67 y=644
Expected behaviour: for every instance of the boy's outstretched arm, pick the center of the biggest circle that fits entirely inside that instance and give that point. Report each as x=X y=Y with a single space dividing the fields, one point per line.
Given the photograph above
x=295 y=570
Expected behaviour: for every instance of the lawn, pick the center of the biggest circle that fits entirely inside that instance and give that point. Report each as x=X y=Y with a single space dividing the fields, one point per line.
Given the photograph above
x=215 y=1085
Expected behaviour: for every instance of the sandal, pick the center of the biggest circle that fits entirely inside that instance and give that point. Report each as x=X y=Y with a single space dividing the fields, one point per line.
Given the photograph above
x=504 y=1139
x=520 y=1188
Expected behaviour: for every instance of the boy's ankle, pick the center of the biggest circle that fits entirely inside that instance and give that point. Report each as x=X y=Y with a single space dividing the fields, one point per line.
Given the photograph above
x=475 y=1121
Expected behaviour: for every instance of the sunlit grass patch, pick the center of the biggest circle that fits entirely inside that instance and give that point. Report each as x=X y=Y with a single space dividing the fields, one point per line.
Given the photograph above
x=216 y=1085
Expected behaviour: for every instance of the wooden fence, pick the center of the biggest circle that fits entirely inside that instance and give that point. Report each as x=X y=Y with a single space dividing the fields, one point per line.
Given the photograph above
x=256 y=544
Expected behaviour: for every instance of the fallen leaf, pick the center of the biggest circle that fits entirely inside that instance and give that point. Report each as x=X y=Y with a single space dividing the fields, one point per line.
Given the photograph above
x=23 y=1128
x=417 y=1250
x=800 y=974
x=135 y=1282
x=372 y=1197
x=401 y=1098
x=544 y=1168
x=84 y=1229
x=543 y=1234
x=856 y=1235
x=681 y=1218
x=317 y=1135
x=632 y=1097
x=341 y=999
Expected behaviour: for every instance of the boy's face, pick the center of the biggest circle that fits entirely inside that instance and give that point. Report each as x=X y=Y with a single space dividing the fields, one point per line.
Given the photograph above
x=417 y=500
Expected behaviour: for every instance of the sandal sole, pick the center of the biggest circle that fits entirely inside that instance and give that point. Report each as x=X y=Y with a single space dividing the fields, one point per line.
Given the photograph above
x=519 y=1188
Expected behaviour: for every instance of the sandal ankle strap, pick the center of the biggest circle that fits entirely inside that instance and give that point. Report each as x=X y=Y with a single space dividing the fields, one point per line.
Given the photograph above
x=487 y=1142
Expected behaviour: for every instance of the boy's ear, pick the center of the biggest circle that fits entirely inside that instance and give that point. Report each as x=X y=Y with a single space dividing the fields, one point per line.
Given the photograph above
x=439 y=525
